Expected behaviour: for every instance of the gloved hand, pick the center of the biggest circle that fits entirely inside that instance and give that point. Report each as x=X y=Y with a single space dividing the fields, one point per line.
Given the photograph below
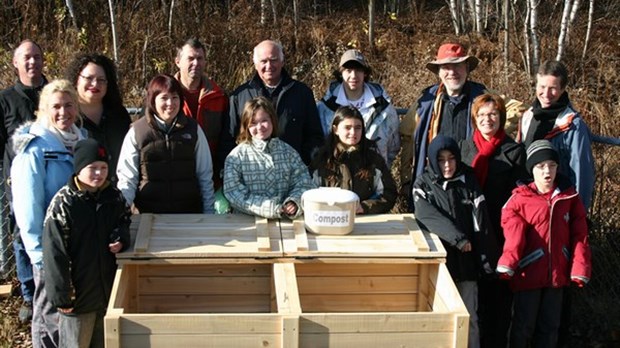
x=578 y=282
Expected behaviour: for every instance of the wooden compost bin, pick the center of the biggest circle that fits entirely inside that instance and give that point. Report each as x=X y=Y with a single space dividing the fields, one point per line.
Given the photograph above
x=383 y=285
x=240 y=281
x=198 y=281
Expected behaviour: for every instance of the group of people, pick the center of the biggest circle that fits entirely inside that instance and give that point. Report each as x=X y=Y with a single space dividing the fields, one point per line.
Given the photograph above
x=80 y=167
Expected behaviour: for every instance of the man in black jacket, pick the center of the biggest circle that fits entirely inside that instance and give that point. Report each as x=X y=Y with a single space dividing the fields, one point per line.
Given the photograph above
x=18 y=104
x=298 y=118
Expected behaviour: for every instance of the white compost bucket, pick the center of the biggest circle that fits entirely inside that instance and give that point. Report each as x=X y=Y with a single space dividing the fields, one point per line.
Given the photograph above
x=329 y=210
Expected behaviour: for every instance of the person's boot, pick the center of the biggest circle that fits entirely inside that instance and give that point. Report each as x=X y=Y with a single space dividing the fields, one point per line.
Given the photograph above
x=25 y=312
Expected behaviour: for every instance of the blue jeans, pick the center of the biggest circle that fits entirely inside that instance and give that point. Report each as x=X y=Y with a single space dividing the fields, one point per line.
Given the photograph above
x=24 y=268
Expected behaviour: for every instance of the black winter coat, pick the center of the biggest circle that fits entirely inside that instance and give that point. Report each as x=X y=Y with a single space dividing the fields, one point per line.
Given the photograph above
x=506 y=168
x=455 y=211
x=79 y=225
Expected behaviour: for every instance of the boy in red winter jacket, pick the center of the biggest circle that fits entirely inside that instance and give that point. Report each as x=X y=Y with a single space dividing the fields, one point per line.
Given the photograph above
x=546 y=248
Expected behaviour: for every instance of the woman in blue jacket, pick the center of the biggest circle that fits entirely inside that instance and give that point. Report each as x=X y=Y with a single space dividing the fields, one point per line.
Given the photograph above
x=42 y=165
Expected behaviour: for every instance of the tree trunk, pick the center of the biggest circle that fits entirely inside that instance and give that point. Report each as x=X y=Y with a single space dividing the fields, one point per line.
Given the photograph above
x=371 y=24
x=534 y=35
x=74 y=19
x=526 y=39
x=506 y=37
x=478 y=16
x=274 y=13
x=263 y=12
x=455 y=17
x=170 y=18
x=295 y=21
x=563 y=28
x=589 y=31
x=113 y=26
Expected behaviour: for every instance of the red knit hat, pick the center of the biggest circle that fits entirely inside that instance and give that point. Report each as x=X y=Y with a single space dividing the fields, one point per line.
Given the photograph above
x=452 y=53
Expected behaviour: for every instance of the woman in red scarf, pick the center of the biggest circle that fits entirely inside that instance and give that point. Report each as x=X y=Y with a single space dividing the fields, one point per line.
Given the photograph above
x=498 y=162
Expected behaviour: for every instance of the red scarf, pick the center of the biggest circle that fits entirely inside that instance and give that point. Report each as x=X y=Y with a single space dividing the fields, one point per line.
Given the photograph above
x=486 y=149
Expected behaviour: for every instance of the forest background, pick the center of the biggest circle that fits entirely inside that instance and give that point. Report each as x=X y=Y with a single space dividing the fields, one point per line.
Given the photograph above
x=398 y=38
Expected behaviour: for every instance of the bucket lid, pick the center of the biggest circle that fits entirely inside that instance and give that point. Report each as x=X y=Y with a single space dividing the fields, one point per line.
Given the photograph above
x=330 y=195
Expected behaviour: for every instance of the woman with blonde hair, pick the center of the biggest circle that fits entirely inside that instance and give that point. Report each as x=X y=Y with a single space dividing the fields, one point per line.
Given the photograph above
x=42 y=165
x=263 y=175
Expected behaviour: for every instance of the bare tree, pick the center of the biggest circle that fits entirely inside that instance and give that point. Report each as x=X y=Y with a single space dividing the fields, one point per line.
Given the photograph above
x=72 y=14
x=454 y=11
x=526 y=39
x=274 y=13
x=113 y=26
x=506 y=37
x=295 y=20
x=478 y=15
x=534 y=35
x=568 y=16
x=263 y=12
x=371 y=23
x=589 y=31
x=170 y=18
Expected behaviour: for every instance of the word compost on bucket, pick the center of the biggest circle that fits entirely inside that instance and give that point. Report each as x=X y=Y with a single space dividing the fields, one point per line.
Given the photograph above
x=329 y=210
x=331 y=218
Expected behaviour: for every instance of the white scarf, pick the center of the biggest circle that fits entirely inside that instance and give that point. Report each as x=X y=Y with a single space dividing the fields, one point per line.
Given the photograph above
x=68 y=138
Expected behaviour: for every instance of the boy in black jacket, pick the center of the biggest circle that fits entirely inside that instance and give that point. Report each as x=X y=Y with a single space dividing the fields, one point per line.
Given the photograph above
x=449 y=203
x=87 y=222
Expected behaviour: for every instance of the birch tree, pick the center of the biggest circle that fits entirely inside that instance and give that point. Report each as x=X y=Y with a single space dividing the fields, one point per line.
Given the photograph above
x=72 y=14
x=170 y=18
x=263 y=12
x=478 y=16
x=371 y=23
x=589 y=31
x=113 y=27
x=506 y=37
x=534 y=35
x=454 y=12
x=568 y=16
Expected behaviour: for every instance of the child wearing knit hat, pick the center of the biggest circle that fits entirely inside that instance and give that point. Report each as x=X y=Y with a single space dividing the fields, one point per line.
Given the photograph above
x=87 y=222
x=546 y=248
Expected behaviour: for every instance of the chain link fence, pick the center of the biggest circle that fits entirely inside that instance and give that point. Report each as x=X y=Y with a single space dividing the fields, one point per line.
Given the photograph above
x=7 y=258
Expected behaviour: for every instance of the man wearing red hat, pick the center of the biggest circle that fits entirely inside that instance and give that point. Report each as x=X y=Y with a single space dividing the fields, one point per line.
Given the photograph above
x=443 y=108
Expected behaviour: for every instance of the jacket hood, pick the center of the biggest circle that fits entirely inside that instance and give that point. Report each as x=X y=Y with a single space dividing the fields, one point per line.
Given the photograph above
x=442 y=142
x=528 y=188
x=23 y=136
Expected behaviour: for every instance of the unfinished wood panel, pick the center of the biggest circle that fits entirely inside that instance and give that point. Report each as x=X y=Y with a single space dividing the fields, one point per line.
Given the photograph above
x=461 y=331
x=424 y=284
x=246 y=303
x=377 y=339
x=202 y=340
x=287 y=293
x=376 y=322
x=111 y=329
x=333 y=303
x=206 y=270
x=386 y=235
x=358 y=285
x=144 y=324
x=5 y=290
x=310 y=268
x=144 y=233
x=204 y=285
x=290 y=331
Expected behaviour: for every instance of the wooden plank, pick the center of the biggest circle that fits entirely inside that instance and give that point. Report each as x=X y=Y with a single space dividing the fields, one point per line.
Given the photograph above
x=262 y=234
x=144 y=233
x=204 y=285
x=334 y=303
x=222 y=323
x=461 y=331
x=375 y=339
x=202 y=340
x=424 y=288
x=376 y=322
x=5 y=290
x=301 y=238
x=446 y=291
x=112 y=330
x=416 y=234
x=206 y=270
x=358 y=285
x=290 y=331
x=287 y=293
x=248 y=303
x=356 y=269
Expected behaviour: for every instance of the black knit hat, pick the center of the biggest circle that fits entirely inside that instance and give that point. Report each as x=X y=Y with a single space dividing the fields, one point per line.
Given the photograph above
x=86 y=152
x=538 y=151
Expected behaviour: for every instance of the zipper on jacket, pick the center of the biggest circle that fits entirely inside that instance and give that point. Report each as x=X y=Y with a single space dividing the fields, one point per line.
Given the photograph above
x=551 y=204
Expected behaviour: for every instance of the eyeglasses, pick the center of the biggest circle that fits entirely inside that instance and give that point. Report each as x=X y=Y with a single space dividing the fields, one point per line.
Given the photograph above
x=489 y=115
x=91 y=79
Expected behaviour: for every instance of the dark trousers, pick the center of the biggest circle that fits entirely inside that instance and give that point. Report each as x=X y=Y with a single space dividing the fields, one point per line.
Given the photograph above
x=494 y=312
x=24 y=268
x=536 y=318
